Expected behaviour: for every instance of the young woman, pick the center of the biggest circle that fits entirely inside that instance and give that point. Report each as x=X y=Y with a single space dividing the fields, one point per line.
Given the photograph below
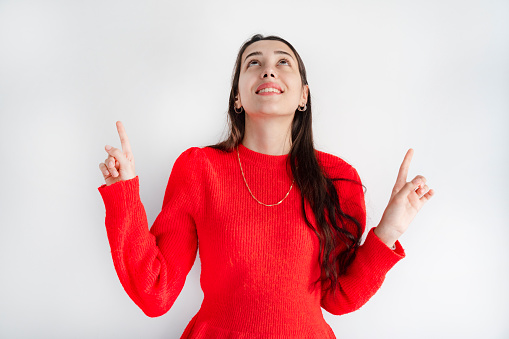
x=278 y=223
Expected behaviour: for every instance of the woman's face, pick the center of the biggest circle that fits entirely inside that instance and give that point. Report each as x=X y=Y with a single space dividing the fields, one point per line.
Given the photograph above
x=270 y=63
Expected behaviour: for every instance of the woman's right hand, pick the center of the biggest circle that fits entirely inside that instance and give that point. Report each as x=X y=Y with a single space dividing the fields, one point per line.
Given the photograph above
x=119 y=165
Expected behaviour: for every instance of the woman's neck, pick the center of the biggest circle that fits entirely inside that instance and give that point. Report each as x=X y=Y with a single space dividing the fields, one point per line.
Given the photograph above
x=270 y=136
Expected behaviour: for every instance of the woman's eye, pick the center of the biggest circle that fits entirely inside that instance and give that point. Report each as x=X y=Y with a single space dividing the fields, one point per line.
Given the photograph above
x=252 y=62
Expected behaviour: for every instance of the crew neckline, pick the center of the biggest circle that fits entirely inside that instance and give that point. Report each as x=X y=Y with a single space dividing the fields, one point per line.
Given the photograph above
x=261 y=159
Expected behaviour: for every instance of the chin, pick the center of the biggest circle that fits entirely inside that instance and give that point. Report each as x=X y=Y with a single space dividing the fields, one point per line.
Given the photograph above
x=271 y=111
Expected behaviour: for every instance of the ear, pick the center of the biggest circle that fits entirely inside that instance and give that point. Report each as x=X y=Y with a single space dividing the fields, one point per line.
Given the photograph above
x=238 y=102
x=304 y=97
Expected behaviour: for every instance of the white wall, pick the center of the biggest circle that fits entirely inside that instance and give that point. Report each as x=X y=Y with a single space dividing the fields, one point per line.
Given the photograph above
x=384 y=76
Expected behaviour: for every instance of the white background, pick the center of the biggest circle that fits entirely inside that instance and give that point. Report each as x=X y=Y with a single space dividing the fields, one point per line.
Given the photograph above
x=384 y=76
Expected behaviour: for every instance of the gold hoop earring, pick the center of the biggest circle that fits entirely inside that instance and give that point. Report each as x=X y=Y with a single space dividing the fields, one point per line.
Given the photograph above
x=303 y=109
x=238 y=112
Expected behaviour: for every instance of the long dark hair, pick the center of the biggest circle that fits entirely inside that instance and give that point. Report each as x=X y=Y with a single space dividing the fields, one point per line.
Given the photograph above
x=312 y=181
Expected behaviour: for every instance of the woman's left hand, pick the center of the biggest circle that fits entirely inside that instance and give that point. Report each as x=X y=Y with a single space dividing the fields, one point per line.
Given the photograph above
x=406 y=200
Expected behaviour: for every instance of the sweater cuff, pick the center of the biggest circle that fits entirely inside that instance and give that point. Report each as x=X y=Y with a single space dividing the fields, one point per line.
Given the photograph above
x=118 y=196
x=381 y=252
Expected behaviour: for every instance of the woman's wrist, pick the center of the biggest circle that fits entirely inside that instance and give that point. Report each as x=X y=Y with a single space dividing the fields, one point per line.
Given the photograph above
x=386 y=237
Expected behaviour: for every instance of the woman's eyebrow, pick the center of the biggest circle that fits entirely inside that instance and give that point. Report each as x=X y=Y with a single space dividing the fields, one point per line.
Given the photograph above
x=260 y=53
x=283 y=52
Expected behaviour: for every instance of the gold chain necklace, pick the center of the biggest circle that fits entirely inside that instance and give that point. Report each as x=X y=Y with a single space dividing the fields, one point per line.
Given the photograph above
x=250 y=189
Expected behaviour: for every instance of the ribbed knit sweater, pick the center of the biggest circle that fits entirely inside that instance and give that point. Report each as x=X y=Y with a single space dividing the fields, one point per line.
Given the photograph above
x=258 y=263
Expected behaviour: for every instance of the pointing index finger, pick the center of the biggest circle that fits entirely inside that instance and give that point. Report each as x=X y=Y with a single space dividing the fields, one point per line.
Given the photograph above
x=126 y=147
x=403 y=170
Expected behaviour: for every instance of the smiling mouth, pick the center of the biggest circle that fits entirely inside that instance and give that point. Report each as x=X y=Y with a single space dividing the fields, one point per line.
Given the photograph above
x=269 y=90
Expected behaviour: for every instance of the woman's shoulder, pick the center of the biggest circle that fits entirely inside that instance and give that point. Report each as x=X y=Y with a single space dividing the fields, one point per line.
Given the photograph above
x=201 y=155
x=203 y=151
x=190 y=155
x=336 y=166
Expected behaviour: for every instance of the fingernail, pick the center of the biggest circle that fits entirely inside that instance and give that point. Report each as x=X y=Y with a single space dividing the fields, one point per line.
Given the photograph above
x=108 y=147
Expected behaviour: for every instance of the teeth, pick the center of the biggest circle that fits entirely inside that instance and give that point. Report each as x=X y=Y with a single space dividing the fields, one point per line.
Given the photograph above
x=269 y=90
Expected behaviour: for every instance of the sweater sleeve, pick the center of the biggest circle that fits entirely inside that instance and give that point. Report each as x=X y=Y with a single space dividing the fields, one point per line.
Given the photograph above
x=372 y=261
x=152 y=265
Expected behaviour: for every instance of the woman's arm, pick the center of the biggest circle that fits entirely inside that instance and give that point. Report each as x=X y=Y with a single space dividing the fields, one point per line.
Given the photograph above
x=373 y=259
x=152 y=265
x=364 y=276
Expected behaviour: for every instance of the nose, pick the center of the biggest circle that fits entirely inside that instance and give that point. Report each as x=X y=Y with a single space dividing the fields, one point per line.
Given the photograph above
x=269 y=72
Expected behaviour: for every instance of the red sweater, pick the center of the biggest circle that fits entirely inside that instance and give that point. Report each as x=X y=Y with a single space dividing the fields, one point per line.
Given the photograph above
x=257 y=261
